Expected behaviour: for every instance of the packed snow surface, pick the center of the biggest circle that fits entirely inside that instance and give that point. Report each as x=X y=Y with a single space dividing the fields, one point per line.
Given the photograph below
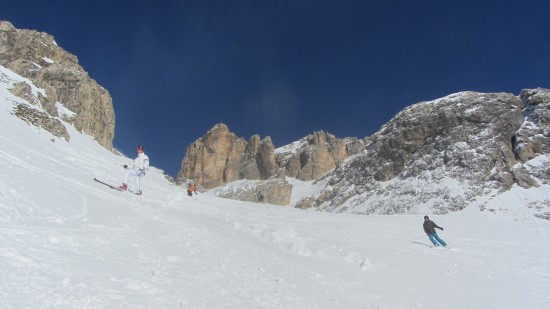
x=67 y=241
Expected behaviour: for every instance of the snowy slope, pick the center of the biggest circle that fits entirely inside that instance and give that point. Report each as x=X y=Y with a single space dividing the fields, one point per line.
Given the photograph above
x=69 y=242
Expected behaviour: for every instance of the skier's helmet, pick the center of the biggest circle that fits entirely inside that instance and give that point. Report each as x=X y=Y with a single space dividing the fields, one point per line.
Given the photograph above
x=426 y=218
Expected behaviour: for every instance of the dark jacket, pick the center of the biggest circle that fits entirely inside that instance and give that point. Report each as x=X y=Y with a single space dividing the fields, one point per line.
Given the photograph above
x=429 y=227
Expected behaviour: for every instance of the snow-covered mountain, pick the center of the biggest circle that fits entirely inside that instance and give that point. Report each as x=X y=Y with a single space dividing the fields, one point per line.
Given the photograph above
x=448 y=154
x=69 y=242
x=36 y=56
x=433 y=157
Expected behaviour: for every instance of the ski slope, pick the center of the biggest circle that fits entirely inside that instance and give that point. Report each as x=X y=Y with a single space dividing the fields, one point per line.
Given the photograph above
x=67 y=241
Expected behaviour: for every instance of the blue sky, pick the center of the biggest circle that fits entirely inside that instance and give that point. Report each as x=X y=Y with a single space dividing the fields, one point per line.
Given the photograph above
x=287 y=68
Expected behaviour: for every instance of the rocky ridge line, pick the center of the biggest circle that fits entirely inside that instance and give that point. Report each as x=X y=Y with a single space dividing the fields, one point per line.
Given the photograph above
x=36 y=56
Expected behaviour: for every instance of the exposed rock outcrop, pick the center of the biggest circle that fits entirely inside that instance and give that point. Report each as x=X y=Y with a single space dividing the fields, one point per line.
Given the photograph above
x=442 y=155
x=276 y=190
x=36 y=56
x=533 y=138
x=40 y=119
x=432 y=157
x=220 y=157
x=316 y=154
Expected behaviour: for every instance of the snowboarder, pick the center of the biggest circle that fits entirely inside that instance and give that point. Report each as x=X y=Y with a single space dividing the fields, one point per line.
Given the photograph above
x=429 y=228
x=260 y=197
x=140 y=166
x=192 y=188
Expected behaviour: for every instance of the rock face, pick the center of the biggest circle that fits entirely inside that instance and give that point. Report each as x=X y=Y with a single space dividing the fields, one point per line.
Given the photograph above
x=36 y=56
x=432 y=157
x=443 y=154
x=221 y=157
x=276 y=190
x=533 y=137
x=316 y=154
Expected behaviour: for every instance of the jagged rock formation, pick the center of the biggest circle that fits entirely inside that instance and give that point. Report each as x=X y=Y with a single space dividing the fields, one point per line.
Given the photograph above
x=34 y=116
x=221 y=157
x=441 y=155
x=444 y=154
x=316 y=154
x=36 y=56
x=533 y=137
x=276 y=190
x=432 y=157
x=40 y=119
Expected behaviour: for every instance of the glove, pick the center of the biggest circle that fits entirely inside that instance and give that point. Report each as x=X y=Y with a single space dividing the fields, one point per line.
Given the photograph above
x=441 y=228
x=125 y=166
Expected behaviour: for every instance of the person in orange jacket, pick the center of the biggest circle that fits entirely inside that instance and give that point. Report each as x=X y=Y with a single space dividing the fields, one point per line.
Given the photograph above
x=192 y=188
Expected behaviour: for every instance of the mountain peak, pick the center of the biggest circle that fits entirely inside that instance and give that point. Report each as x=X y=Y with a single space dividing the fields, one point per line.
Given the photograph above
x=35 y=56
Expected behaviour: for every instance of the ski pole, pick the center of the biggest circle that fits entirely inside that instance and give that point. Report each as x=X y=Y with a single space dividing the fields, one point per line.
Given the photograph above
x=418 y=237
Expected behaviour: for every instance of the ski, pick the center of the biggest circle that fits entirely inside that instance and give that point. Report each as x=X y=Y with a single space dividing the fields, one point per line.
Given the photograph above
x=115 y=187
x=431 y=246
x=107 y=184
x=421 y=243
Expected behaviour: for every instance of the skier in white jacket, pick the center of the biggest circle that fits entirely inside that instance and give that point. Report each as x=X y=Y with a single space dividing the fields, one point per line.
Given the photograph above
x=140 y=166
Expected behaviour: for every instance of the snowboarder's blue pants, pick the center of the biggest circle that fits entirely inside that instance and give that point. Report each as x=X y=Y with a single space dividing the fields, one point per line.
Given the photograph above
x=434 y=237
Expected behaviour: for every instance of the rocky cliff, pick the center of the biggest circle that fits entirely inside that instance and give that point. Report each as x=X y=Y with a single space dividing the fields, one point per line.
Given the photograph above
x=276 y=190
x=432 y=157
x=532 y=139
x=36 y=56
x=444 y=154
x=316 y=154
x=220 y=157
